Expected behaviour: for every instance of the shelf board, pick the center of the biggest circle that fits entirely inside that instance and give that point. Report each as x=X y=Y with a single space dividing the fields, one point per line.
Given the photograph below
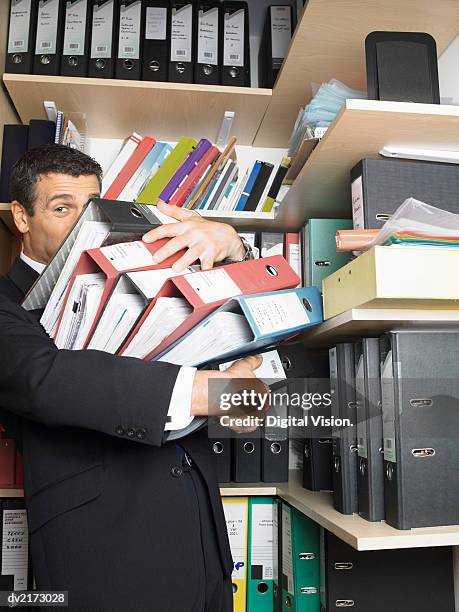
x=357 y=532
x=359 y=322
x=241 y=219
x=329 y=42
x=362 y=127
x=114 y=108
x=238 y=489
x=11 y=492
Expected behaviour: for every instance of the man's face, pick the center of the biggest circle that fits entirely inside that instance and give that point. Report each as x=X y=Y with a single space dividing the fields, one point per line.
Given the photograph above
x=60 y=198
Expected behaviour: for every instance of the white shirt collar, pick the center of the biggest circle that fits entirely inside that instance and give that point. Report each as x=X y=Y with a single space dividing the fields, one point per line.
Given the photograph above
x=35 y=265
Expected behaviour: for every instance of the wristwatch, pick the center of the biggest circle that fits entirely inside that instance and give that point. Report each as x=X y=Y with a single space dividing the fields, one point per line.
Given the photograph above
x=249 y=254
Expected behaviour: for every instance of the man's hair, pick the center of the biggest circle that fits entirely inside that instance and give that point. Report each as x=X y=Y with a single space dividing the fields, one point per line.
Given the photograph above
x=47 y=159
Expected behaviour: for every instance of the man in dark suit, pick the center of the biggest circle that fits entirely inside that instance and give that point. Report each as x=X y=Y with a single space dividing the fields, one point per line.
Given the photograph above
x=118 y=517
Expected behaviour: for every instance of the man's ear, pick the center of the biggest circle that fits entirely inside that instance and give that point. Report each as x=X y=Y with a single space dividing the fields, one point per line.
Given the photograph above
x=20 y=217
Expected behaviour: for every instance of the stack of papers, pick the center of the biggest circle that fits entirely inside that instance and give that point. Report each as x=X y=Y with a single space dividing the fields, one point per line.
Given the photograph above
x=116 y=321
x=224 y=332
x=165 y=316
x=415 y=223
x=91 y=235
x=80 y=311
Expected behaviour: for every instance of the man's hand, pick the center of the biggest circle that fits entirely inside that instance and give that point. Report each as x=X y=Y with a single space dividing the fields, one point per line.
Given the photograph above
x=206 y=241
x=234 y=381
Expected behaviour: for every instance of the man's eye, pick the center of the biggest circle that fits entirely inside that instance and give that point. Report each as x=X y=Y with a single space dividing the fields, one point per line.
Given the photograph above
x=61 y=209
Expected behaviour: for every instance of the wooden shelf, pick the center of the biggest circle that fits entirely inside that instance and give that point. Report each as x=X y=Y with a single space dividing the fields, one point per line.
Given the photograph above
x=357 y=532
x=242 y=219
x=260 y=488
x=11 y=492
x=115 y=108
x=359 y=322
x=362 y=127
x=329 y=42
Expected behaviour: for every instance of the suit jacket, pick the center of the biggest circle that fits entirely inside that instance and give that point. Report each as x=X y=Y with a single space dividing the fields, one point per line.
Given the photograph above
x=107 y=511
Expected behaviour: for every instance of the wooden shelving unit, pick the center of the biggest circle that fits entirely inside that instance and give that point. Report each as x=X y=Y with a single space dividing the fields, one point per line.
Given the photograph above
x=359 y=322
x=329 y=42
x=354 y=530
x=115 y=108
x=362 y=127
x=357 y=532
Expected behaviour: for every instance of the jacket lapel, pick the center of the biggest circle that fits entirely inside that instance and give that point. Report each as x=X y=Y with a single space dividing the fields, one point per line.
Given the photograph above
x=22 y=275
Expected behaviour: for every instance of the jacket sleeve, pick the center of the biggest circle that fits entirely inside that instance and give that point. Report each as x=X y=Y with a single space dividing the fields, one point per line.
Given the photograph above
x=120 y=396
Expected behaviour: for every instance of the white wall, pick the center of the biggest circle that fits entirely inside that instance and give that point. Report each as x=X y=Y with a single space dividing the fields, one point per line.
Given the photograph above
x=448 y=73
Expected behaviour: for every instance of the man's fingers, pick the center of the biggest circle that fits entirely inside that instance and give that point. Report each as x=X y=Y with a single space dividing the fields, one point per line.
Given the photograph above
x=253 y=362
x=186 y=260
x=177 y=212
x=163 y=231
x=170 y=248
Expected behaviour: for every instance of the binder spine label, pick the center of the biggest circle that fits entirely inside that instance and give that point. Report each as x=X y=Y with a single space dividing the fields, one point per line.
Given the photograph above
x=156 y=23
x=15 y=546
x=361 y=416
x=48 y=13
x=287 y=549
x=208 y=37
x=213 y=285
x=271 y=313
x=128 y=255
x=129 y=39
x=357 y=203
x=102 y=30
x=262 y=549
x=236 y=524
x=75 y=27
x=18 y=36
x=181 y=34
x=233 y=36
x=388 y=408
x=281 y=30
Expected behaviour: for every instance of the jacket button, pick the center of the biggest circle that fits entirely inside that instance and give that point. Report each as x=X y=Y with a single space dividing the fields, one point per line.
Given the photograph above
x=119 y=430
x=130 y=432
x=141 y=433
x=176 y=471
